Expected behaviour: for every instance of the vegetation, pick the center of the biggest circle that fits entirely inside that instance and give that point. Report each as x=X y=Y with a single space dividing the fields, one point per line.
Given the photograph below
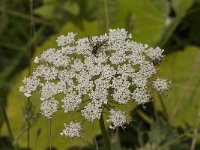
x=170 y=122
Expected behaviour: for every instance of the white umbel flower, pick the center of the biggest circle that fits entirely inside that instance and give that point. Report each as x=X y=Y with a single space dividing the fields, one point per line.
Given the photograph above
x=141 y=96
x=92 y=111
x=30 y=85
x=70 y=102
x=48 y=107
x=65 y=40
x=46 y=72
x=50 y=89
x=161 y=85
x=93 y=74
x=72 y=130
x=155 y=54
x=117 y=118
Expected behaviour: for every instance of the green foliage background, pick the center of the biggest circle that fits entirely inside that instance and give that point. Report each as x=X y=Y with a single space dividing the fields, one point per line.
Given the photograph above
x=173 y=25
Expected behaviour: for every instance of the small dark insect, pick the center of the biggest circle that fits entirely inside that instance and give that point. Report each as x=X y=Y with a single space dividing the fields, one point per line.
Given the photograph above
x=96 y=46
x=117 y=75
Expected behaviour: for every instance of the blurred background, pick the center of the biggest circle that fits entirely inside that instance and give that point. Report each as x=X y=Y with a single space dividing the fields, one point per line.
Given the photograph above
x=171 y=122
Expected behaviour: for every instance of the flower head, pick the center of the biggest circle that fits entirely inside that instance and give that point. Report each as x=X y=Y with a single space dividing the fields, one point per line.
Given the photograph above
x=90 y=74
x=117 y=118
x=48 y=107
x=72 y=130
x=30 y=84
x=155 y=54
x=161 y=85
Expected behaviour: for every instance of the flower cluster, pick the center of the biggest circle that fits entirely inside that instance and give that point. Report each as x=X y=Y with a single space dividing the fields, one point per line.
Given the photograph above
x=117 y=118
x=48 y=107
x=161 y=85
x=91 y=73
x=72 y=130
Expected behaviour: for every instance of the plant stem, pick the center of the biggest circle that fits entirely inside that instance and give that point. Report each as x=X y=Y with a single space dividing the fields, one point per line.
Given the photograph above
x=28 y=125
x=50 y=139
x=29 y=67
x=164 y=107
x=31 y=27
x=7 y=123
x=5 y=117
x=195 y=133
x=106 y=14
x=104 y=133
x=96 y=144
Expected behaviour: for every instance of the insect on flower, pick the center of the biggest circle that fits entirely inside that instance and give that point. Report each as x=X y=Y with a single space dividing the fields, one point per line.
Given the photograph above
x=96 y=46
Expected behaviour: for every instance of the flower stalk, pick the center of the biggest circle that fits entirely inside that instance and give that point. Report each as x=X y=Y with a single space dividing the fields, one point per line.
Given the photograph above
x=50 y=135
x=5 y=117
x=31 y=26
x=106 y=14
x=105 y=135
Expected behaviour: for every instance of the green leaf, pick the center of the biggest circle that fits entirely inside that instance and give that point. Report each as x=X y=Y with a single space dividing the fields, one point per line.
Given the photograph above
x=145 y=20
x=183 y=69
x=181 y=6
x=72 y=8
x=46 y=11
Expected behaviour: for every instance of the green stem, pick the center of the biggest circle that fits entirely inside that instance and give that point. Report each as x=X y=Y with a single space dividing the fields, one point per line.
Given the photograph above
x=106 y=14
x=96 y=144
x=104 y=133
x=195 y=133
x=7 y=123
x=164 y=107
x=29 y=67
x=28 y=125
x=5 y=117
x=50 y=136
